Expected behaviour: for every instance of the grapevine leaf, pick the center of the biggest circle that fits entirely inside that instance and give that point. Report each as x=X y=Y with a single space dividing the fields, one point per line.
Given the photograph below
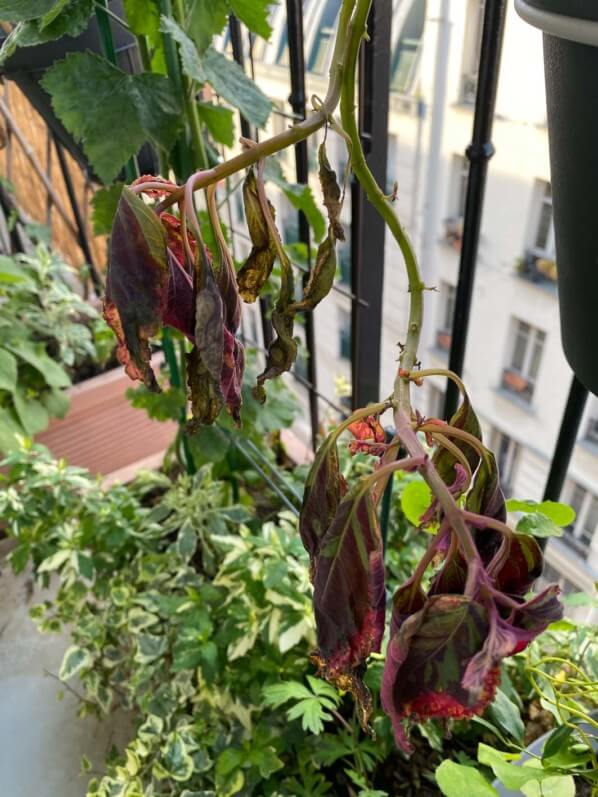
x=254 y=14
x=136 y=284
x=350 y=610
x=125 y=111
x=232 y=84
x=333 y=198
x=20 y=10
x=66 y=18
x=207 y=19
x=258 y=266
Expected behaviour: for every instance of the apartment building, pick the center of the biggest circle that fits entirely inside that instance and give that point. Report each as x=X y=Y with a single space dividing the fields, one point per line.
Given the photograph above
x=515 y=369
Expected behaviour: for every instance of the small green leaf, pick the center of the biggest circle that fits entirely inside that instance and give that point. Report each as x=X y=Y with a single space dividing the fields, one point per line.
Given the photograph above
x=10 y=271
x=32 y=414
x=104 y=203
x=56 y=402
x=219 y=122
x=539 y=525
x=507 y=716
x=54 y=561
x=415 y=500
x=176 y=759
x=560 y=514
x=19 y=556
x=510 y=775
x=254 y=14
x=556 y=786
x=8 y=370
x=35 y=354
x=75 y=659
x=207 y=19
x=457 y=780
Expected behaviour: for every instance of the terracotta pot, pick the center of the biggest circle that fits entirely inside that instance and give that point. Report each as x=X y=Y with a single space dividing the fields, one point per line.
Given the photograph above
x=443 y=340
x=515 y=381
x=104 y=433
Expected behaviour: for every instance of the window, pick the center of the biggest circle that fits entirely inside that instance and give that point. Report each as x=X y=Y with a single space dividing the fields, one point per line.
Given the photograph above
x=318 y=59
x=543 y=236
x=405 y=57
x=581 y=532
x=462 y=175
x=448 y=295
x=471 y=51
x=344 y=339
x=506 y=451
x=344 y=257
x=526 y=354
x=453 y=232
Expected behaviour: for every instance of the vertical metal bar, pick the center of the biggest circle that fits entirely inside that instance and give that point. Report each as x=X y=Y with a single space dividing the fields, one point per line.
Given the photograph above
x=576 y=402
x=81 y=231
x=367 y=249
x=478 y=153
x=297 y=103
x=237 y=45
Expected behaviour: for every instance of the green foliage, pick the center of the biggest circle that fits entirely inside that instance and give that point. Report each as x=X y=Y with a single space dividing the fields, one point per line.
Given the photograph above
x=415 y=500
x=46 y=331
x=139 y=107
x=545 y=519
x=104 y=203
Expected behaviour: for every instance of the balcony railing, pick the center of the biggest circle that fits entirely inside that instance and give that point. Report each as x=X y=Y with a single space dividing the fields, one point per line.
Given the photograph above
x=536 y=268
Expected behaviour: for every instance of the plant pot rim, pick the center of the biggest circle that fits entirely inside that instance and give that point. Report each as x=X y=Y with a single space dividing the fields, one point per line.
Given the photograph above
x=575 y=28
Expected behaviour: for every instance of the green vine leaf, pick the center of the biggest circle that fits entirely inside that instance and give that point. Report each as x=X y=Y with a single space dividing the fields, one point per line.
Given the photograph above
x=104 y=204
x=219 y=121
x=22 y=10
x=207 y=18
x=110 y=112
x=254 y=14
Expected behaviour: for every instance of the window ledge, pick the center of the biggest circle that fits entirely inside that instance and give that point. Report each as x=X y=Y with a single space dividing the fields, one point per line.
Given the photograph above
x=436 y=351
x=545 y=285
x=526 y=406
x=588 y=445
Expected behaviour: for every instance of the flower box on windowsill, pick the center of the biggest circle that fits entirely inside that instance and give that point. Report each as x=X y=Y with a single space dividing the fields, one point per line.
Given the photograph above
x=443 y=339
x=537 y=269
x=453 y=232
x=516 y=383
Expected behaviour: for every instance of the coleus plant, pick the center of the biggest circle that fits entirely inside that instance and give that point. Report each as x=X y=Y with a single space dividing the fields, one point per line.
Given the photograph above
x=447 y=639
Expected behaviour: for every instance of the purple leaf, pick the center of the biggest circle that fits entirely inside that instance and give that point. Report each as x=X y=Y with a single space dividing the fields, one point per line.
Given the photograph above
x=349 y=596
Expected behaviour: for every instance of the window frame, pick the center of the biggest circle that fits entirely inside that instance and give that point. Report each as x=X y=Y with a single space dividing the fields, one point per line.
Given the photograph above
x=543 y=200
x=577 y=531
x=534 y=338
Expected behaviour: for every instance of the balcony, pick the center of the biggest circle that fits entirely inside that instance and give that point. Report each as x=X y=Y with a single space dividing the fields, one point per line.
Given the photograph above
x=536 y=268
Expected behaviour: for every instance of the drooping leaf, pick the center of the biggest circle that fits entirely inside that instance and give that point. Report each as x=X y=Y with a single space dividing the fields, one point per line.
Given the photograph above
x=426 y=661
x=232 y=84
x=35 y=354
x=31 y=412
x=254 y=14
x=504 y=713
x=104 y=204
x=350 y=610
x=465 y=419
x=219 y=121
x=522 y=566
x=8 y=370
x=486 y=497
x=510 y=775
x=110 y=112
x=333 y=198
x=136 y=284
x=299 y=195
x=70 y=17
x=321 y=276
x=258 y=266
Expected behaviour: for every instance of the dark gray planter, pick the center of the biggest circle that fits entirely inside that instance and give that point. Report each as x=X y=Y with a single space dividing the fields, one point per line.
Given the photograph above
x=571 y=67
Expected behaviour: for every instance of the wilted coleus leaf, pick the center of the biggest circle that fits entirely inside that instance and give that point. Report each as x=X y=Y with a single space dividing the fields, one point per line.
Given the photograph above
x=258 y=266
x=465 y=419
x=349 y=596
x=136 y=284
x=486 y=497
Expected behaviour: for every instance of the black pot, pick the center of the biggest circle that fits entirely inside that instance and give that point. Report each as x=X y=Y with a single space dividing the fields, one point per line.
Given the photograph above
x=571 y=67
x=28 y=65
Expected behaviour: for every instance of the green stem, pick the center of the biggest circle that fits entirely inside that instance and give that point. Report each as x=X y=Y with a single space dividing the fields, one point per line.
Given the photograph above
x=200 y=159
x=378 y=199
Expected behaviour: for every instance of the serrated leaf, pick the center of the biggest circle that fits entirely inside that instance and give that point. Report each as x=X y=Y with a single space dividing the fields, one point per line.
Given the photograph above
x=18 y=10
x=93 y=99
x=457 y=780
x=74 y=660
x=230 y=82
x=67 y=17
x=416 y=498
x=207 y=18
x=255 y=14
x=539 y=525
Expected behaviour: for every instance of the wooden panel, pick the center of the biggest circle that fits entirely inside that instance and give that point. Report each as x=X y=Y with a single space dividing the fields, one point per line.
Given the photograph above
x=103 y=432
